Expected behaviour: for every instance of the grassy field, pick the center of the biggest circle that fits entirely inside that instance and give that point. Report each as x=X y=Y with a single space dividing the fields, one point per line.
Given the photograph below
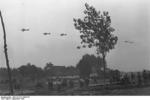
x=91 y=90
x=110 y=92
x=116 y=92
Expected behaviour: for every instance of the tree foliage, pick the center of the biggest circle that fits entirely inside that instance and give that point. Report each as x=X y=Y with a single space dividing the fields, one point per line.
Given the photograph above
x=31 y=71
x=86 y=64
x=115 y=75
x=96 y=30
x=48 y=66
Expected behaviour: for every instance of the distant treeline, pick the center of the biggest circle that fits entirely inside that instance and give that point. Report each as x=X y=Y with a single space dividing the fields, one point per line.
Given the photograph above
x=34 y=72
x=89 y=66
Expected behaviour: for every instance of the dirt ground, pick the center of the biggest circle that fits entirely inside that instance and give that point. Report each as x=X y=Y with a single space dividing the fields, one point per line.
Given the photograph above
x=134 y=91
x=114 y=92
x=84 y=91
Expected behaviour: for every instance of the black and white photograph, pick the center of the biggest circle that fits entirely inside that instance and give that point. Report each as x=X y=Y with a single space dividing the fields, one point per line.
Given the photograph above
x=74 y=48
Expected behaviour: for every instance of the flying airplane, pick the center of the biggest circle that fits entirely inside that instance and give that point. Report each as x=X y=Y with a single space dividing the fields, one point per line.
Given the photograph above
x=84 y=46
x=46 y=33
x=129 y=42
x=78 y=47
x=25 y=29
x=63 y=34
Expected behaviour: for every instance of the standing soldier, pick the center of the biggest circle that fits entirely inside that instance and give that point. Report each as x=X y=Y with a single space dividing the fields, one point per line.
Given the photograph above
x=50 y=84
x=139 y=79
x=86 y=82
x=81 y=83
x=132 y=78
x=71 y=84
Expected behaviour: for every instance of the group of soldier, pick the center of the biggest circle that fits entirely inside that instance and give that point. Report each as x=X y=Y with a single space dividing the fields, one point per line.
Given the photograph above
x=135 y=79
x=66 y=83
x=60 y=84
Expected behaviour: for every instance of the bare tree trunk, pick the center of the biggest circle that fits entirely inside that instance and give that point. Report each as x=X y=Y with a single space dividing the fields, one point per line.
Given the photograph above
x=6 y=56
x=104 y=66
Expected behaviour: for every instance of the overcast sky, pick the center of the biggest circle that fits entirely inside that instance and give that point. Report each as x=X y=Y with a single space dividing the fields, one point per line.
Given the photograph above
x=130 y=18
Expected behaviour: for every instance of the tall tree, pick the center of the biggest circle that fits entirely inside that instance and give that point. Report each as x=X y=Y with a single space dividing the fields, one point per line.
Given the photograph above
x=96 y=31
x=6 y=56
